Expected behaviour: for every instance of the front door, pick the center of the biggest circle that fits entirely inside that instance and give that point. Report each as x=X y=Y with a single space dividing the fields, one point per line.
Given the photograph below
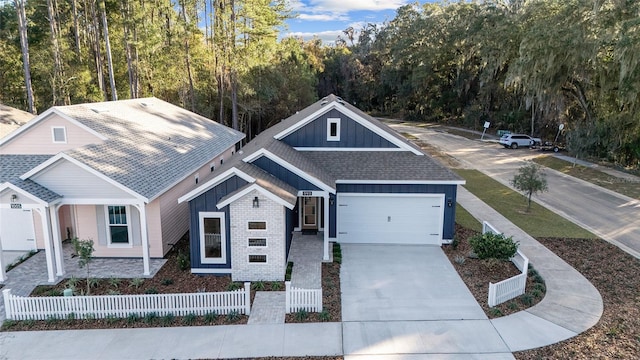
x=309 y=213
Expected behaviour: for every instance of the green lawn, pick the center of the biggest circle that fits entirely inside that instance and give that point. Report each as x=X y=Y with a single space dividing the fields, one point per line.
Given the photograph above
x=539 y=222
x=467 y=220
x=593 y=176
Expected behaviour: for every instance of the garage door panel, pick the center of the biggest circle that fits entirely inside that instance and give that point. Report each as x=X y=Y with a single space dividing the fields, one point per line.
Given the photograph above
x=16 y=230
x=389 y=219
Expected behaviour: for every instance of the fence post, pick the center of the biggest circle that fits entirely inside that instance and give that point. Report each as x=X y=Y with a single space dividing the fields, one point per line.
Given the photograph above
x=247 y=298
x=492 y=295
x=287 y=297
x=6 y=294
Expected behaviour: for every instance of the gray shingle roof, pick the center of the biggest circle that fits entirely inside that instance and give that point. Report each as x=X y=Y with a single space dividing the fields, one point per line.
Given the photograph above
x=12 y=118
x=330 y=166
x=381 y=165
x=13 y=166
x=268 y=182
x=151 y=144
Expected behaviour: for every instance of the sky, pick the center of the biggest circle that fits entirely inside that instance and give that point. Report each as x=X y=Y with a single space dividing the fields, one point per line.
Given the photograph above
x=327 y=19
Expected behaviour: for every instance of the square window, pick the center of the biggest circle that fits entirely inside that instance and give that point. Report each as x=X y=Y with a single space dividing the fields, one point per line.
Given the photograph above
x=257 y=225
x=258 y=259
x=59 y=134
x=333 y=129
x=257 y=242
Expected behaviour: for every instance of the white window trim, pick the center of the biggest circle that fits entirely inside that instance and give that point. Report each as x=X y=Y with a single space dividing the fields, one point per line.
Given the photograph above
x=333 y=121
x=223 y=237
x=108 y=226
x=258 y=263
x=53 y=134
x=266 y=243
x=266 y=226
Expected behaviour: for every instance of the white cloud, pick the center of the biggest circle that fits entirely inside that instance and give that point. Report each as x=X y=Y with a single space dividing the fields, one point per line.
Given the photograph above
x=338 y=10
x=323 y=17
x=345 y=6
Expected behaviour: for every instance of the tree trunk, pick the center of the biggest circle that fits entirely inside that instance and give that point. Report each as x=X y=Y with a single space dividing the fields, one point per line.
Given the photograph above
x=234 y=77
x=76 y=31
x=24 y=43
x=95 y=44
x=105 y=28
x=59 y=93
x=124 y=10
x=187 y=58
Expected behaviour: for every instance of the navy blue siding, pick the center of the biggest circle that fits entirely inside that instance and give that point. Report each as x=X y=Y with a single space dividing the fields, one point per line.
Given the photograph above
x=207 y=202
x=449 y=191
x=283 y=174
x=332 y=216
x=352 y=134
x=289 y=224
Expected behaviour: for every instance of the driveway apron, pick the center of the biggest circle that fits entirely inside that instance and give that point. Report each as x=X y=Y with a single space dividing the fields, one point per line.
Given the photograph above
x=408 y=299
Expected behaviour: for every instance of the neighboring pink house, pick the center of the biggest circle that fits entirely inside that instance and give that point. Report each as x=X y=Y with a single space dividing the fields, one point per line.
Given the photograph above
x=111 y=172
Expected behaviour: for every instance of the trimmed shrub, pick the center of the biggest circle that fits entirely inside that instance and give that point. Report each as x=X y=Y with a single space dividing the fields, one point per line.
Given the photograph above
x=493 y=246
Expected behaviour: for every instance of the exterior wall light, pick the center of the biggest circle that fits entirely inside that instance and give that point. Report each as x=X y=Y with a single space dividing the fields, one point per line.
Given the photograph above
x=14 y=198
x=256 y=202
x=449 y=203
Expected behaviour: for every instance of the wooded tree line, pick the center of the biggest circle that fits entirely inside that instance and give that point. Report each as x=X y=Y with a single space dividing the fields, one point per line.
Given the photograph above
x=523 y=65
x=219 y=58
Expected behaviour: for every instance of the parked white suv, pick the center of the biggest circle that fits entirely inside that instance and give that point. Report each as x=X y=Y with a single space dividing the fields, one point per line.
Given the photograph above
x=516 y=140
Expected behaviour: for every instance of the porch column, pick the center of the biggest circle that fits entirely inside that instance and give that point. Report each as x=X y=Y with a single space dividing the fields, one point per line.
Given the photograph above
x=142 y=210
x=325 y=257
x=48 y=249
x=3 y=275
x=57 y=243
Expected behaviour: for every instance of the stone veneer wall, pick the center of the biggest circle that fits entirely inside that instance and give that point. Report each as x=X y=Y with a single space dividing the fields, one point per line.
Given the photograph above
x=241 y=212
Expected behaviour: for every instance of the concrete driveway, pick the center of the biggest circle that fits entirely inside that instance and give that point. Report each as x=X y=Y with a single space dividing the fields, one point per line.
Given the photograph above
x=403 y=282
x=408 y=299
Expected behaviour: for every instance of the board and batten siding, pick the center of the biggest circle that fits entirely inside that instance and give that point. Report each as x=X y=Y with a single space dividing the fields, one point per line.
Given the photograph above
x=174 y=217
x=283 y=174
x=352 y=134
x=207 y=202
x=71 y=181
x=39 y=138
x=449 y=191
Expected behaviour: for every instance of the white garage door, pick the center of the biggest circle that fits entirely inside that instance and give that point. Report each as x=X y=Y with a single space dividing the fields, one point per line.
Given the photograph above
x=16 y=230
x=390 y=218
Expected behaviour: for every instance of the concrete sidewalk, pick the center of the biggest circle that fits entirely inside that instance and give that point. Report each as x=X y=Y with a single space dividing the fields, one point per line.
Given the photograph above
x=604 y=169
x=198 y=342
x=571 y=305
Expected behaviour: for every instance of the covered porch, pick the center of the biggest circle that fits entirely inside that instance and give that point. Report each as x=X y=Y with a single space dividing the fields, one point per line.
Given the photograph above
x=313 y=218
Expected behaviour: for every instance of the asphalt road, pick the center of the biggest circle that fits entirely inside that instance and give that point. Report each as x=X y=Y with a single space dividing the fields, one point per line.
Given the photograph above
x=612 y=216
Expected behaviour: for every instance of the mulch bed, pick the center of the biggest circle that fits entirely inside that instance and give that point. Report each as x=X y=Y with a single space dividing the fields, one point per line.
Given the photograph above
x=331 y=298
x=616 y=276
x=477 y=274
x=171 y=278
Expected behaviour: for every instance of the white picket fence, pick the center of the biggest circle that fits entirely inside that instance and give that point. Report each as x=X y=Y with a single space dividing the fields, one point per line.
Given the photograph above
x=512 y=287
x=42 y=308
x=302 y=299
